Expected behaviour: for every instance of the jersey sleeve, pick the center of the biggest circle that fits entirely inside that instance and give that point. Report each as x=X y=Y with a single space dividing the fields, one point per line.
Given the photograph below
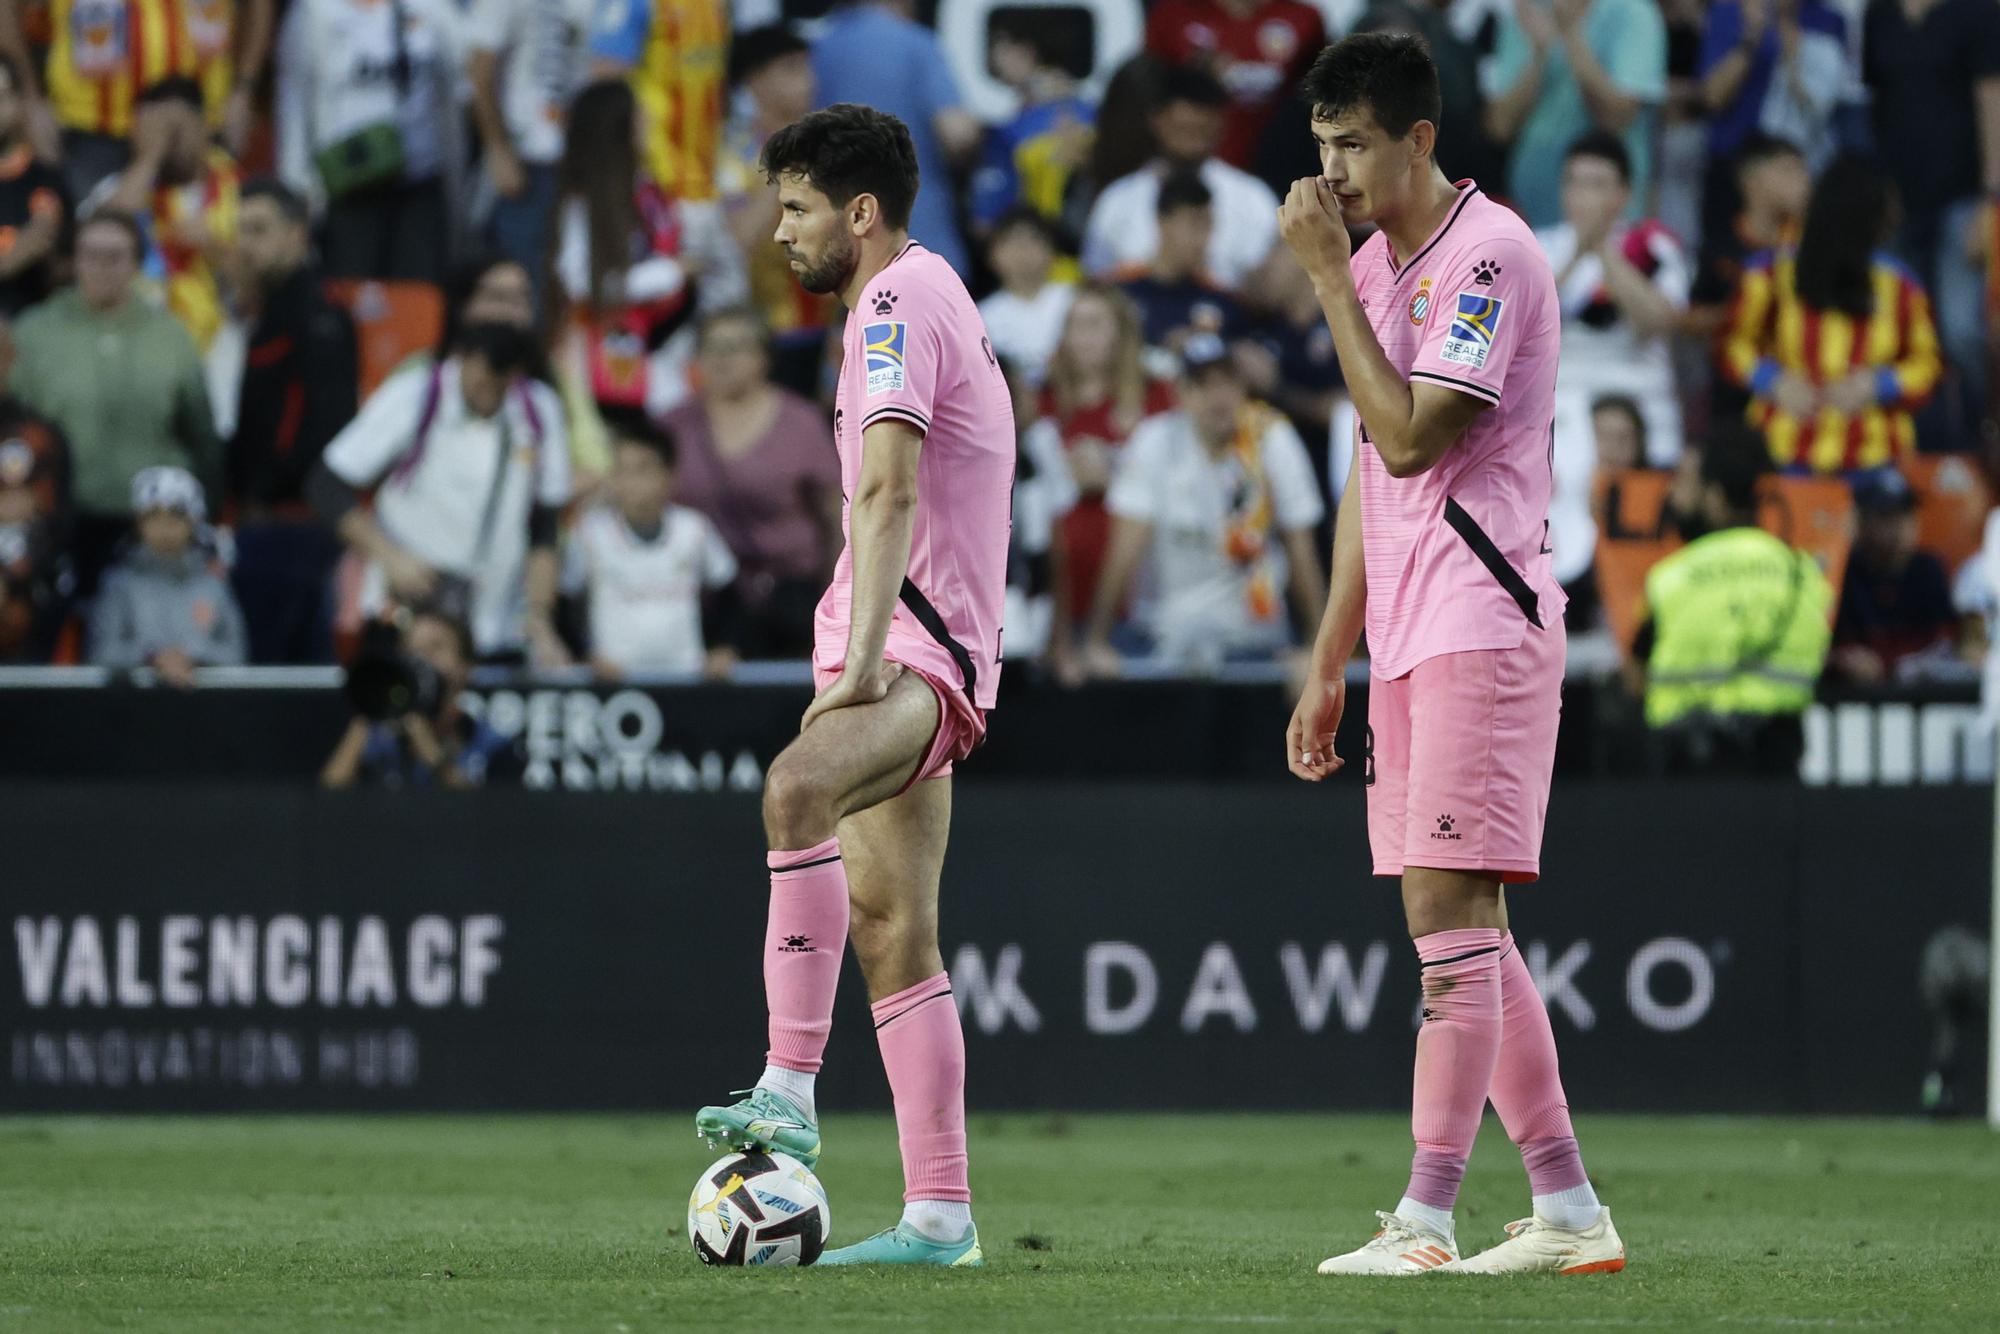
x=1295 y=501
x=1482 y=309
x=903 y=353
x=718 y=562
x=552 y=473
x=1137 y=486
x=383 y=429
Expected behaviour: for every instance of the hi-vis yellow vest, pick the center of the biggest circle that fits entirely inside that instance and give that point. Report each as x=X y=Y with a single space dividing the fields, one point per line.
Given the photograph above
x=1741 y=625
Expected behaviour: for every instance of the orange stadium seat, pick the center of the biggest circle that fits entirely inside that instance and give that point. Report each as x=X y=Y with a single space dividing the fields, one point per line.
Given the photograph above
x=1621 y=582
x=392 y=320
x=1952 y=502
x=1641 y=494
x=1816 y=515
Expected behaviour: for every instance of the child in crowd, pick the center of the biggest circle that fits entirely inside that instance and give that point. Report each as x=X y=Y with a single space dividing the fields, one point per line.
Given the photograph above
x=1025 y=316
x=647 y=568
x=167 y=604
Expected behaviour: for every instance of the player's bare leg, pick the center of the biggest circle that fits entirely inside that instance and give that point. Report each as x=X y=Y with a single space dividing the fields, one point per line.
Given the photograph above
x=895 y=859
x=845 y=760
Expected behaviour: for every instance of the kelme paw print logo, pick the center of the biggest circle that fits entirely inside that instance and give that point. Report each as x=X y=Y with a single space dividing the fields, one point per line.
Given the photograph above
x=1444 y=824
x=1485 y=272
x=885 y=302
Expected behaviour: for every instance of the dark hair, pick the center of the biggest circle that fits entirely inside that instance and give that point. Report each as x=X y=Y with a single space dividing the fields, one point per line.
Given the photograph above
x=600 y=162
x=1031 y=28
x=1624 y=403
x=507 y=348
x=123 y=221
x=739 y=314
x=1190 y=83
x=752 y=52
x=1736 y=459
x=1848 y=218
x=631 y=426
x=1183 y=188
x=180 y=89
x=439 y=610
x=1022 y=215
x=1605 y=147
x=847 y=151
x=1124 y=141
x=1390 y=73
x=459 y=286
x=281 y=196
x=1760 y=147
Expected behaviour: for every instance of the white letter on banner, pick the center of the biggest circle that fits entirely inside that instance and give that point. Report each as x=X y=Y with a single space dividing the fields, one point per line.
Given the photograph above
x=179 y=962
x=1666 y=952
x=374 y=975
x=1218 y=989
x=287 y=980
x=478 y=957
x=431 y=941
x=1557 y=982
x=1315 y=990
x=993 y=997
x=1098 y=962
x=36 y=945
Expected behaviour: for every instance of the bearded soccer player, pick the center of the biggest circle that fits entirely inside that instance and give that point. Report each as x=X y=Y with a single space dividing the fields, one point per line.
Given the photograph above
x=906 y=660
x=1446 y=325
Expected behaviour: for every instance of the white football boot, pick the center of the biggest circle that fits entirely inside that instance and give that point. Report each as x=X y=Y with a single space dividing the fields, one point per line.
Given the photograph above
x=1535 y=1246
x=1403 y=1246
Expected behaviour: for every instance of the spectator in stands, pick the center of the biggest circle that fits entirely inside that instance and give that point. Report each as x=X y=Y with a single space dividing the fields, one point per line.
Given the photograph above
x=759 y=461
x=1619 y=430
x=1779 y=67
x=1187 y=124
x=1257 y=49
x=104 y=54
x=1024 y=316
x=873 y=52
x=444 y=747
x=473 y=470
x=1565 y=68
x=167 y=604
x=674 y=54
x=1036 y=159
x=1622 y=288
x=1736 y=629
x=1125 y=141
x=300 y=381
x=1288 y=357
x=1220 y=503
x=1849 y=407
x=772 y=68
x=1933 y=73
x=1174 y=295
x=1773 y=187
x=368 y=129
x=185 y=192
x=33 y=209
x=1896 y=620
x=487 y=289
x=1038 y=549
x=35 y=578
x=1096 y=394
x=650 y=571
x=526 y=61
x=122 y=380
x=633 y=264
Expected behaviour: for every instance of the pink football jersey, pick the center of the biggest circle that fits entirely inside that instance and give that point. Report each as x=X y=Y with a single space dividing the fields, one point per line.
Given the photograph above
x=1458 y=556
x=916 y=350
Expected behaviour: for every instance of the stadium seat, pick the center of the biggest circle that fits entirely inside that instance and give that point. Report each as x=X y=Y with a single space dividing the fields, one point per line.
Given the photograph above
x=1816 y=515
x=1621 y=583
x=1641 y=497
x=392 y=321
x=1952 y=502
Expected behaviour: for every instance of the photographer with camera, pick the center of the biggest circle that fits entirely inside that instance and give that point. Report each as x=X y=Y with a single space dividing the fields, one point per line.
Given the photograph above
x=470 y=465
x=407 y=729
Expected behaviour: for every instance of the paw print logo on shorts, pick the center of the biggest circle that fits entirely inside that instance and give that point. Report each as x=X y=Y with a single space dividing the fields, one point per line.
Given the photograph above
x=885 y=302
x=1485 y=272
x=1444 y=824
x=1445 y=830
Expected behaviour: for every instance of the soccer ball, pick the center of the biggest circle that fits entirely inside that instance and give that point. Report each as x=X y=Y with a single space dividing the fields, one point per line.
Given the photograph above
x=758 y=1209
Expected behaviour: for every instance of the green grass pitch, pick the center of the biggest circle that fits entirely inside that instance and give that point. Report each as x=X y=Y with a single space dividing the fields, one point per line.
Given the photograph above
x=1089 y=1223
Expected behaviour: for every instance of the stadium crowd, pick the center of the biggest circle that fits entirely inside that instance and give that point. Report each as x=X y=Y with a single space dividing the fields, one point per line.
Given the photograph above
x=317 y=307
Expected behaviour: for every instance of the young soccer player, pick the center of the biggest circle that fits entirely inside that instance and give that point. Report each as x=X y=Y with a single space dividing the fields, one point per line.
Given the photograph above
x=1447 y=329
x=906 y=661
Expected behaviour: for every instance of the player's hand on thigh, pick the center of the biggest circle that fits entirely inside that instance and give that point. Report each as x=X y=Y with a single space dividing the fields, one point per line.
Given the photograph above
x=1309 y=740
x=867 y=684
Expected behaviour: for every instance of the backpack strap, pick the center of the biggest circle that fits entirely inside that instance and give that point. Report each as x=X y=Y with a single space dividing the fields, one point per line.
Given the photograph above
x=433 y=396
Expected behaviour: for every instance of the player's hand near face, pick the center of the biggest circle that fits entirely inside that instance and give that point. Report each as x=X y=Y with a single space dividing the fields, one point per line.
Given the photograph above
x=1309 y=740
x=1311 y=224
x=866 y=684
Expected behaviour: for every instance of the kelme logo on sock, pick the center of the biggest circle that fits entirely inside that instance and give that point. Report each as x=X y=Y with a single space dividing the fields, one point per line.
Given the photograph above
x=798 y=945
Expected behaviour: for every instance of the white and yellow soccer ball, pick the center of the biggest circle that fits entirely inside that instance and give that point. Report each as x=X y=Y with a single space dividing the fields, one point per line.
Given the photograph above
x=758 y=1209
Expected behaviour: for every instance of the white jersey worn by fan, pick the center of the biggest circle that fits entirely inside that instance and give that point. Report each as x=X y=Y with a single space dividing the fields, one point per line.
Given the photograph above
x=645 y=595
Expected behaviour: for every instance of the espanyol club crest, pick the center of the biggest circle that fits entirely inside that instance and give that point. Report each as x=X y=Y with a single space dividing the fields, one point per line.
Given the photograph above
x=1420 y=304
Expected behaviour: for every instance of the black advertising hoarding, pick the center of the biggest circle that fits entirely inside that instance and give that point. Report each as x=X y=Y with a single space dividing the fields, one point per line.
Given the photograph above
x=1702 y=947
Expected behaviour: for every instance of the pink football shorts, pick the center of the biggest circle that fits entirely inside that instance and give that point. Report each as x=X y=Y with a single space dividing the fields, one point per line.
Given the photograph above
x=961 y=725
x=1461 y=750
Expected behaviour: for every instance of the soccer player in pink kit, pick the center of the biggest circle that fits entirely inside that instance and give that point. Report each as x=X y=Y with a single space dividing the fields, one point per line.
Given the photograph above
x=1446 y=325
x=906 y=661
